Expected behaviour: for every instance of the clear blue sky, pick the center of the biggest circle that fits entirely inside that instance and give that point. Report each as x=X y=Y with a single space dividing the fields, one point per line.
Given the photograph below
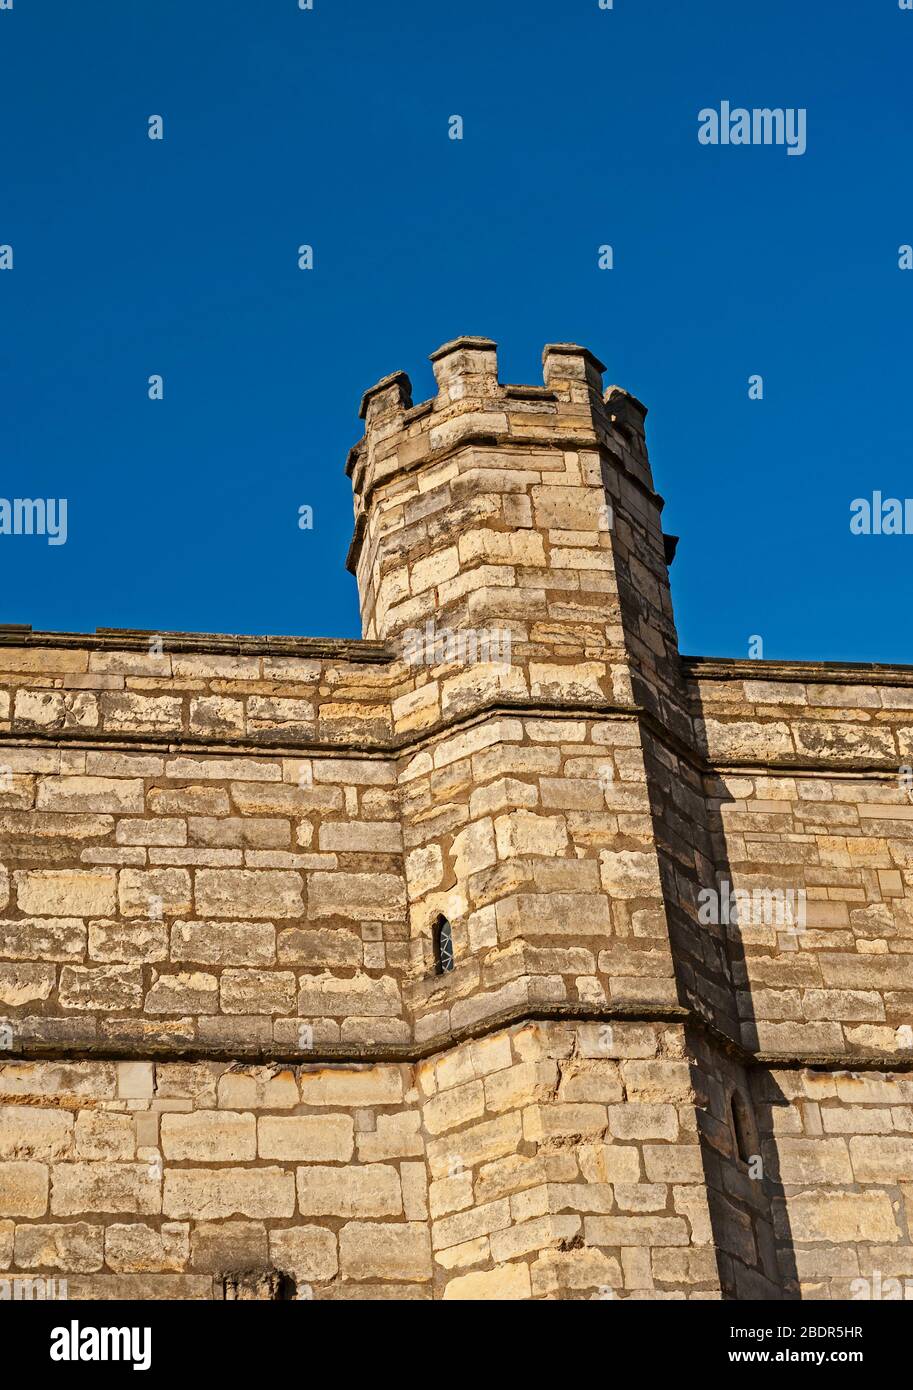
x=329 y=127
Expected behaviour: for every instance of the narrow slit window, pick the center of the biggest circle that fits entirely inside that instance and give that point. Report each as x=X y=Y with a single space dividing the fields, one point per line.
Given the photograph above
x=443 y=946
x=742 y=1127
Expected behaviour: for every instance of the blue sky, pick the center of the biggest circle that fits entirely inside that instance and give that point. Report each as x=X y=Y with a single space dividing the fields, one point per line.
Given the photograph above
x=329 y=127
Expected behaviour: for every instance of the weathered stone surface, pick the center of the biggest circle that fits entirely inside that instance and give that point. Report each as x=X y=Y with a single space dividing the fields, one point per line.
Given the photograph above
x=118 y=795
x=25 y=983
x=35 y=1132
x=509 y=1282
x=23 y=1189
x=212 y=1193
x=358 y=994
x=131 y=942
x=838 y=1217
x=76 y=1247
x=630 y=874
x=887 y=1159
x=220 y=1245
x=105 y=1135
x=192 y=992
x=814 y=1160
x=224 y=943
x=100 y=988
x=257 y=991
x=105 y=1187
x=139 y=1249
x=66 y=892
x=385 y=1250
x=249 y=892
x=355 y=1086
x=371 y=1190
x=43 y=938
x=377 y=897
x=209 y=1136
x=56 y=709
x=306 y=1138
x=306 y=1252
x=141 y=713
x=154 y=892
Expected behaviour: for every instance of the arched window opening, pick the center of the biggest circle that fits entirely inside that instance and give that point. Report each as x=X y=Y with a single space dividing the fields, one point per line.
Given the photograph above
x=443 y=946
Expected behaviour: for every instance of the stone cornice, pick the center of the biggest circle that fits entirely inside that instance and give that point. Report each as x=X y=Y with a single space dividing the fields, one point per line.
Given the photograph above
x=361 y=747
x=151 y=1049
x=105 y=639
x=715 y=668
x=398 y=745
x=365 y=650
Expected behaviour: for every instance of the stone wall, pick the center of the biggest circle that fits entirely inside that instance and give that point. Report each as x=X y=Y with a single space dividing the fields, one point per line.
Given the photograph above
x=543 y=1160
x=230 y=1065
x=808 y=792
x=838 y=1146
x=176 y=897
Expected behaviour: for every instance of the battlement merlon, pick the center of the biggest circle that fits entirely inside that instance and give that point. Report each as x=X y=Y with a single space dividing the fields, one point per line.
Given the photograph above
x=569 y=411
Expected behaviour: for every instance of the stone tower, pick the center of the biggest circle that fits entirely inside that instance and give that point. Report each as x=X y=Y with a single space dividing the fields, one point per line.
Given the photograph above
x=560 y=835
x=672 y=1056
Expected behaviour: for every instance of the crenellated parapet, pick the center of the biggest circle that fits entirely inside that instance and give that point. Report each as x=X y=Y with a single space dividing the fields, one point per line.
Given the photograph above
x=527 y=508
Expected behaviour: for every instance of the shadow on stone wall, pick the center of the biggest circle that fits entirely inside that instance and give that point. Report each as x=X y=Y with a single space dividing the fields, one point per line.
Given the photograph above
x=766 y=1198
x=737 y=1098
